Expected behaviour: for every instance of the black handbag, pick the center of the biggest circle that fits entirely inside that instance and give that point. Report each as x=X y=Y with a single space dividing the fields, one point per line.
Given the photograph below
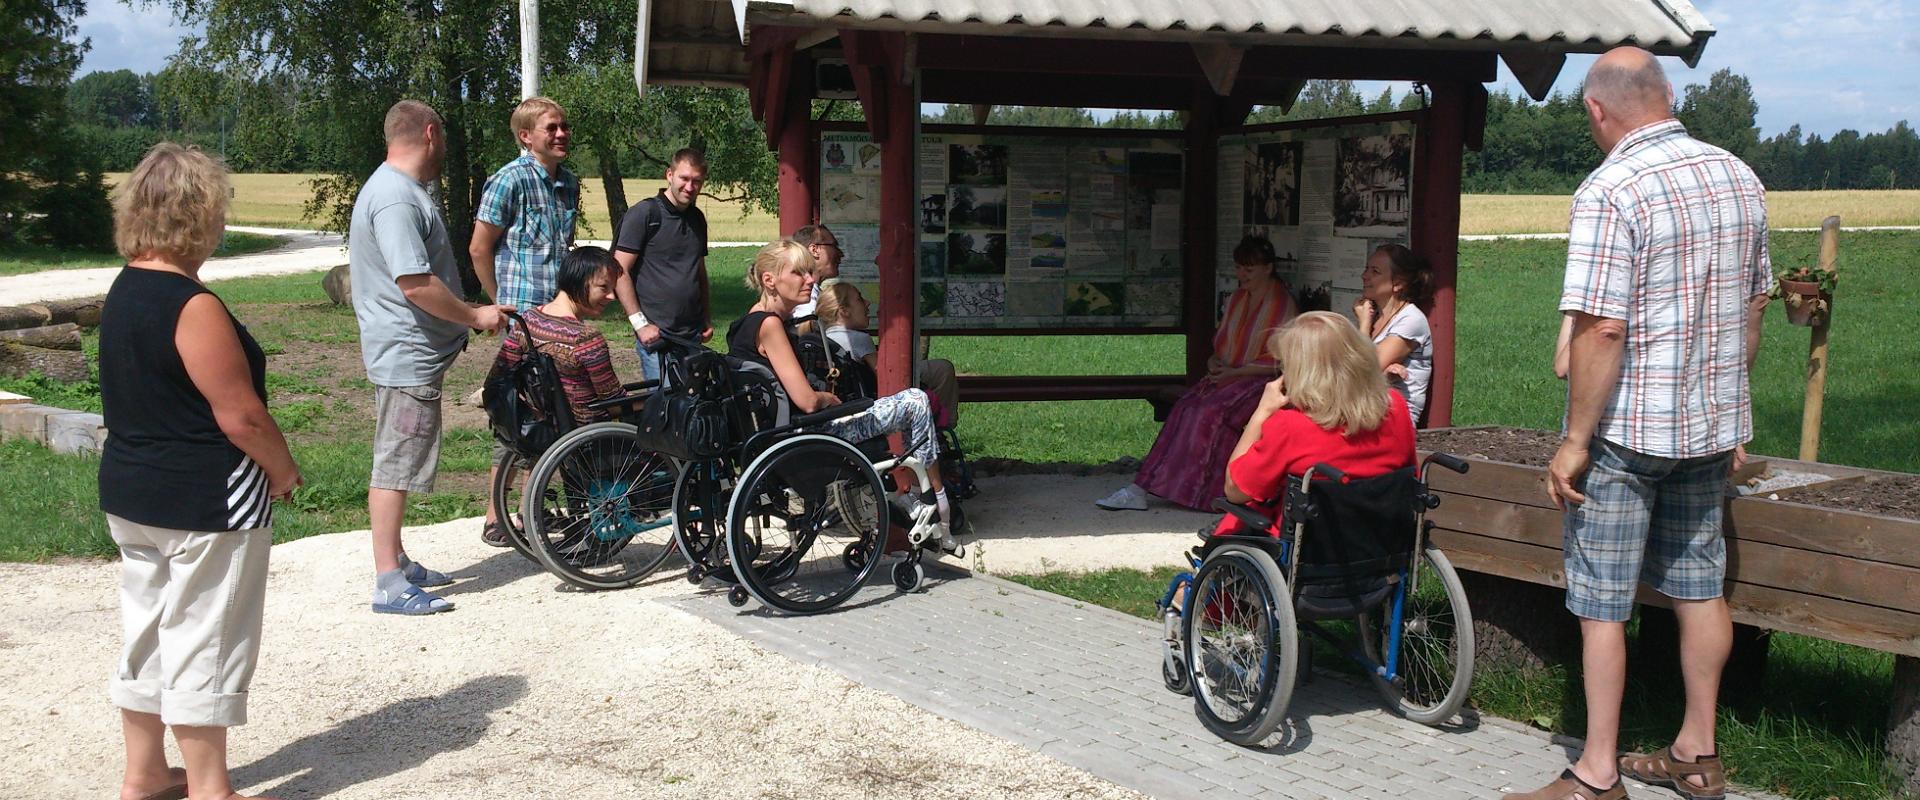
x=686 y=418
x=526 y=405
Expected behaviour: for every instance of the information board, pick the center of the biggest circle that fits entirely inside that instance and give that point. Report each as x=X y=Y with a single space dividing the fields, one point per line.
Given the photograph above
x=1326 y=196
x=1023 y=230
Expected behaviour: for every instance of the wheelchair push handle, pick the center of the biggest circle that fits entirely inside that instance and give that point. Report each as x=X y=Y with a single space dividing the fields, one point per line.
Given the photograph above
x=1450 y=461
x=1329 y=470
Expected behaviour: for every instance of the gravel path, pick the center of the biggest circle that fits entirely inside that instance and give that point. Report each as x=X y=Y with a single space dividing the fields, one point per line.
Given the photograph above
x=526 y=690
x=303 y=251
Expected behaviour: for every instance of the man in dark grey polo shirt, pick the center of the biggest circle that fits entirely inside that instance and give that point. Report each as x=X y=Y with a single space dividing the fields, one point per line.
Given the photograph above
x=661 y=247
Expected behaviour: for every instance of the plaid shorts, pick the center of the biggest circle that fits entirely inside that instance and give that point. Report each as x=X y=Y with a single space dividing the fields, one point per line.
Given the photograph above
x=1648 y=519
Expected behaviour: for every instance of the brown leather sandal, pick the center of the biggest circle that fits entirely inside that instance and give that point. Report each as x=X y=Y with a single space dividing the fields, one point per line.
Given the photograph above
x=1569 y=787
x=1663 y=769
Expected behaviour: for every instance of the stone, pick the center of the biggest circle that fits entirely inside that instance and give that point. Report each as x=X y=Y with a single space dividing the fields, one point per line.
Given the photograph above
x=338 y=284
x=76 y=432
x=1903 y=725
x=1519 y=625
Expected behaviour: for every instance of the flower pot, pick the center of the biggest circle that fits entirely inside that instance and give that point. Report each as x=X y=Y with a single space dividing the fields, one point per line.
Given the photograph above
x=1806 y=305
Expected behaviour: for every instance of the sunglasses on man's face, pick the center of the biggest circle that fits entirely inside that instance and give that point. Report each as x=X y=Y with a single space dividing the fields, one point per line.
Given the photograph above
x=559 y=127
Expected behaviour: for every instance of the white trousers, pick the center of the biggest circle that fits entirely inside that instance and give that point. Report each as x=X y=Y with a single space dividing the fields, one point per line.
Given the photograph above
x=190 y=608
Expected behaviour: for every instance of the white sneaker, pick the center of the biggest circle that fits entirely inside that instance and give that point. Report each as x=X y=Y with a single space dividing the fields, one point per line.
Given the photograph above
x=1128 y=498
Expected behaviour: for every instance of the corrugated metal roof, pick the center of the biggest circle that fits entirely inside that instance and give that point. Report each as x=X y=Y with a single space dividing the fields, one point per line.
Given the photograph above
x=1671 y=27
x=698 y=41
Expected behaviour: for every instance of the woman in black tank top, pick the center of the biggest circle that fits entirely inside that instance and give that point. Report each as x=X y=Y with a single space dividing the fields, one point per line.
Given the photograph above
x=782 y=272
x=191 y=467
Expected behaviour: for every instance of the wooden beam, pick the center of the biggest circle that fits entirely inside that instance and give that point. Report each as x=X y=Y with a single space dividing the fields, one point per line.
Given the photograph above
x=982 y=112
x=1174 y=59
x=798 y=150
x=1436 y=229
x=1198 y=206
x=1009 y=88
x=1536 y=70
x=1221 y=63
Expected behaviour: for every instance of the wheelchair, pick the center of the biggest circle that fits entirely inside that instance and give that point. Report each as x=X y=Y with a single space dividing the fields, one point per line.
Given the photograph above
x=793 y=518
x=1354 y=550
x=596 y=508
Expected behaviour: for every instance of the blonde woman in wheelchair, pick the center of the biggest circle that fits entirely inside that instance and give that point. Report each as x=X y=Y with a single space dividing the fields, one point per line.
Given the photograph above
x=782 y=272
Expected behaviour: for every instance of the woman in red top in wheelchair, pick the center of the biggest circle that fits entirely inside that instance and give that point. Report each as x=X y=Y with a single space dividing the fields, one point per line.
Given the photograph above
x=1331 y=406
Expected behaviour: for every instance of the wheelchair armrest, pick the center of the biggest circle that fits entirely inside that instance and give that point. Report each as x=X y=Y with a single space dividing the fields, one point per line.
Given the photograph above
x=1448 y=460
x=640 y=386
x=831 y=413
x=1246 y=514
x=623 y=400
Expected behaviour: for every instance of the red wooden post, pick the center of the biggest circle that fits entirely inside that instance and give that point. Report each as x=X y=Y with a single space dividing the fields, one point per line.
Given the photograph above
x=1436 y=229
x=888 y=95
x=799 y=191
x=1199 y=208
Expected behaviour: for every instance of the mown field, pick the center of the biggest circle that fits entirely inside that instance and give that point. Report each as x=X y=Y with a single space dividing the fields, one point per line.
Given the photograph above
x=276 y=201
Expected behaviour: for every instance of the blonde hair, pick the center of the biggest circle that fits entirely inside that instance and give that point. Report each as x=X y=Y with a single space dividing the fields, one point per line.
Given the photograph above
x=173 y=207
x=527 y=114
x=834 y=300
x=1332 y=372
x=785 y=254
x=407 y=121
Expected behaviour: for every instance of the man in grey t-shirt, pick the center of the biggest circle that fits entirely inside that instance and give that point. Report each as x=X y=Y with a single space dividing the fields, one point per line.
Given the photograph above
x=412 y=325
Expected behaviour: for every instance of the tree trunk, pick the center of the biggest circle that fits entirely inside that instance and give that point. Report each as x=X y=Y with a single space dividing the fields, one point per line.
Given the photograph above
x=18 y=361
x=84 y=312
x=462 y=192
x=14 y=317
x=65 y=336
x=610 y=182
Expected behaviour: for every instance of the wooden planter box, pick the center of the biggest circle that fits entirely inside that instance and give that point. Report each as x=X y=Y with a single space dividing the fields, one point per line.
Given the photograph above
x=1844 y=576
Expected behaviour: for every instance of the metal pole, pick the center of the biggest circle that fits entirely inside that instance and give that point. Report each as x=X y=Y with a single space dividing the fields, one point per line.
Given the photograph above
x=529 y=48
x=1817 y=351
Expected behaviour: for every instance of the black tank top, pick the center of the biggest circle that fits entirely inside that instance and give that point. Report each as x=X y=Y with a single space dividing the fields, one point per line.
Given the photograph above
x=166 y=462
x=743 y=338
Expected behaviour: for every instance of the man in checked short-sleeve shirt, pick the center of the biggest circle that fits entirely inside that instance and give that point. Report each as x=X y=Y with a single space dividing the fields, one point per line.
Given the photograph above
x=1667 y=273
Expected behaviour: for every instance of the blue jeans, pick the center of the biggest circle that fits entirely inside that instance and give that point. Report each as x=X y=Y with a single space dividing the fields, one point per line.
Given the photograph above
x=649 y=362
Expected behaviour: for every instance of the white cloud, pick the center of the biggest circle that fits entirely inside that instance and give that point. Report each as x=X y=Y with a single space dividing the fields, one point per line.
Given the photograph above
x=128 y=38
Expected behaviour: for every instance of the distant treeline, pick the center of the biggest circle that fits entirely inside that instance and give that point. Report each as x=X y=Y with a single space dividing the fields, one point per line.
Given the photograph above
x=1530 y=147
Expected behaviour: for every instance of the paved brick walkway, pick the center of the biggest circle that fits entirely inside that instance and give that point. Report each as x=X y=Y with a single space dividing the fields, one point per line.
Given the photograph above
x=1082 y=684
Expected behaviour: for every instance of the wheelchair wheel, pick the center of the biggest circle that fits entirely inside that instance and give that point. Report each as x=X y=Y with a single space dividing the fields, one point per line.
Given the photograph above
x=1436 y=645
x=699 y=505
x=597 y=507
x=805 y=526
x=1241 y=644
x=506 y=499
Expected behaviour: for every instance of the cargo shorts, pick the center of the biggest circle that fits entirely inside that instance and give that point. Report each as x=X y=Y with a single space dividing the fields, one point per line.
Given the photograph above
x=1646 y=518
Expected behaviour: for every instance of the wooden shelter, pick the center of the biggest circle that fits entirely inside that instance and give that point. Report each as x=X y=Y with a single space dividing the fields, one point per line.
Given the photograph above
x=1211 y=60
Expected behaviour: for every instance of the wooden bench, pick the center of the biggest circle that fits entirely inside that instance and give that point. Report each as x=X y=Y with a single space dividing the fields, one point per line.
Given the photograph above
x=1160 y=390
x=1844 y=576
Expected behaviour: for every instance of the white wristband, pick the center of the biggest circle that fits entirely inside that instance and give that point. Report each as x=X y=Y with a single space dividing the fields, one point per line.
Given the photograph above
x=637 y=320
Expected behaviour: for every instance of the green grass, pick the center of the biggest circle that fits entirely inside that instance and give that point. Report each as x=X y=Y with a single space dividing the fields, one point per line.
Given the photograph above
x=20 y=259
x=1818 y=731
x=1508 y=323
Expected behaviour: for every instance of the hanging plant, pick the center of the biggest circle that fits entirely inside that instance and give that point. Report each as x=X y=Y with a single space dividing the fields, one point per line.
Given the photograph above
x=1807 y=292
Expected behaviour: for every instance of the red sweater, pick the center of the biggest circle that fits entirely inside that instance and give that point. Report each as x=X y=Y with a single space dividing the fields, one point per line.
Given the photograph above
x=1291 y=442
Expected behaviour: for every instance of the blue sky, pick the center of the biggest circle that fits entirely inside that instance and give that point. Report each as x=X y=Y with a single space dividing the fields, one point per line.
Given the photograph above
x=1825 y=65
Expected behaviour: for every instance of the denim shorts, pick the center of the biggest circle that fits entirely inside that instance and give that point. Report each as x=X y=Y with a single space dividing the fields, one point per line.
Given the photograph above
x=406 y=437
x=1646 y=518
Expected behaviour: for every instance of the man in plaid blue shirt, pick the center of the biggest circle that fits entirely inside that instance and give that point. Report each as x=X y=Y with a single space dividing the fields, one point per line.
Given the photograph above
x=524 y=225
x=1667 y=273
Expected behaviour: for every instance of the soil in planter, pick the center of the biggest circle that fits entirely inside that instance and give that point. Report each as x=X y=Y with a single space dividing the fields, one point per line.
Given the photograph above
x=1891 y=495
x=1513 y=445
